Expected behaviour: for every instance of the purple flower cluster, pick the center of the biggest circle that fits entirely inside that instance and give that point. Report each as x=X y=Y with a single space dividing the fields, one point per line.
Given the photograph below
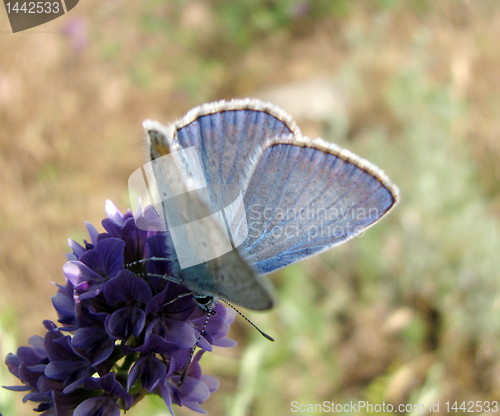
x=129 y=331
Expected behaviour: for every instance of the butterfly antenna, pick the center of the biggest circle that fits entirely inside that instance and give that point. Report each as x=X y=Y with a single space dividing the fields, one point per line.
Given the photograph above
x=269 y=337
x=154 y=258
x=184 y=370
x=164 y=276
x=180 y=296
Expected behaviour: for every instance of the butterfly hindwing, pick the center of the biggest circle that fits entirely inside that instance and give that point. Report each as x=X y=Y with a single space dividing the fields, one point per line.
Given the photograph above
x=307 y=196
x=231 y=278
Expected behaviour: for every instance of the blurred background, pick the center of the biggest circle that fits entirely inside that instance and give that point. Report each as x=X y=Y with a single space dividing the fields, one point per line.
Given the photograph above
x=410 y=312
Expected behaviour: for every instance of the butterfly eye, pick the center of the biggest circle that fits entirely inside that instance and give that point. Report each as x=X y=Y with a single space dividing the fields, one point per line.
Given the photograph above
x=205 y=302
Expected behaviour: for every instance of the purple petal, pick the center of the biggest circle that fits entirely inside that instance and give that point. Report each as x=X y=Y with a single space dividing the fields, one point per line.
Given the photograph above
x=65 y=308
x=77 y=272
x=93 y=233
x=175 y=332
x=100 y=405
x=195 y=407
x=125 y=287
x=151 y=370
x=172 y=300
x=165 y=394
x=225 y=342
x=71 y=257
x=194 y=390
x=125 y=322
x=113 y=212
x=58 y=347
x=61 y=370
x=211 y=382
x=13 y=362
x=93 y=343
x=106 y=258
x=63 y=403
x=17 y=388
x=109 y=384
x=78 y=250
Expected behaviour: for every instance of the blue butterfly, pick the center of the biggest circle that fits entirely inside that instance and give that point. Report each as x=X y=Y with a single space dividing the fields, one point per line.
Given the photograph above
x=245 y=194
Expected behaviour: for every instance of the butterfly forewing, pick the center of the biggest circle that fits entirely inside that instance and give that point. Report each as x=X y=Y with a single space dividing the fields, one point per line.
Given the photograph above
x=229 y=137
